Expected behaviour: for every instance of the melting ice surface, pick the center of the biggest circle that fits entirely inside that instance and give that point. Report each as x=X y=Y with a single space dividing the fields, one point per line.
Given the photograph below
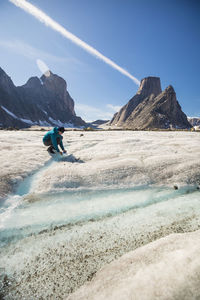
x=26 y=213
x=30 y=213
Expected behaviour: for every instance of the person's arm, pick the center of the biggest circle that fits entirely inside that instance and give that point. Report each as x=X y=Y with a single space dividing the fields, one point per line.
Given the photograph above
x=54 y=142
x=61 y=145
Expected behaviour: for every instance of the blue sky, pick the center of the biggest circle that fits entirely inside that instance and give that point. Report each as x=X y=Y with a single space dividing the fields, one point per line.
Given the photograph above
x=145 y=37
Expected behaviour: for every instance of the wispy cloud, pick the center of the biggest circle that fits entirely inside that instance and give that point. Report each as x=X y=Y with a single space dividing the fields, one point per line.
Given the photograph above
x=44 y=18
x=33 y=53
x=43 y=67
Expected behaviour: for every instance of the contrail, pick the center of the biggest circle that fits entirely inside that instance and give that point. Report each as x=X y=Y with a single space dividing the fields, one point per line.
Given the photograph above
x=42 y=17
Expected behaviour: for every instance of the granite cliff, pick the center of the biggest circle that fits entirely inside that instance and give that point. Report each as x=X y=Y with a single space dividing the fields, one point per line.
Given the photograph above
x=151 y=108
x=43 y=101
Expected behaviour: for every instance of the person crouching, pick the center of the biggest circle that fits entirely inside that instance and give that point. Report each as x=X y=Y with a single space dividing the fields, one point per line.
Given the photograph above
x=53 y=138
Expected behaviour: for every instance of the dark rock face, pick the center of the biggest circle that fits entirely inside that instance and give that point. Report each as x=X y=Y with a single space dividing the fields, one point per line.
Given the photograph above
x=43 y=101
x=151 y=108
x=148 y=86
x=194 y=121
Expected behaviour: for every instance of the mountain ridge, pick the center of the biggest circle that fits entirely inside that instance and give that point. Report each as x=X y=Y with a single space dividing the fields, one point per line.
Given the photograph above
x=41 y=101
x=151 y=108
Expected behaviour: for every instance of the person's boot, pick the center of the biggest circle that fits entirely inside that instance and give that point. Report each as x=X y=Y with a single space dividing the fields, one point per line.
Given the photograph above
x=51 y=150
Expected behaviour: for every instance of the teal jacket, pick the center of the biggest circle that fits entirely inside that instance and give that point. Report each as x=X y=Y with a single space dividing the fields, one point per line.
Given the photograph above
x=53 y=135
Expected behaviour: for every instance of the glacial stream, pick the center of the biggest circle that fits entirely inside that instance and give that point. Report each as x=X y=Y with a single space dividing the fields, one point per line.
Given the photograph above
x=27 y=213
x=48 y=237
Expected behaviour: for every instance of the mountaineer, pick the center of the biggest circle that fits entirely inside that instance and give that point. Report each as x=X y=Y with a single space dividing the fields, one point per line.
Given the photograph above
x=53 y=138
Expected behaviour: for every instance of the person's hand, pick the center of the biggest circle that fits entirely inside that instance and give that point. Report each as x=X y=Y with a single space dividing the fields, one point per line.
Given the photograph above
x=61 y=153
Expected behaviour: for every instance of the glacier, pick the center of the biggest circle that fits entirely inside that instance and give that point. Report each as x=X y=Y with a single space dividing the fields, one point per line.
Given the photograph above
x=108 y=222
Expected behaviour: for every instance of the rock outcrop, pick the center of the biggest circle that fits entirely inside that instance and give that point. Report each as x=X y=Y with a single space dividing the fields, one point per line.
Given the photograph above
x=43 y=101
x=194 y=121
x=151 y=108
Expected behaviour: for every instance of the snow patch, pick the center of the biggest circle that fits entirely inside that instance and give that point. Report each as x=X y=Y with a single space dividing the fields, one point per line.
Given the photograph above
x=28 y=121
x=17 y=118
x=44 y=112
x=44 y=123
x=61 y=124
x=9 y=112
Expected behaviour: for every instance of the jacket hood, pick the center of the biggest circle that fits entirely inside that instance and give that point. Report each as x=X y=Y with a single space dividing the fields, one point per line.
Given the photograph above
x=55 y=129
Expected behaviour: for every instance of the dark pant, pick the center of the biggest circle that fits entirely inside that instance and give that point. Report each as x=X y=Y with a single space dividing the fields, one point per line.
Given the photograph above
x=49 y=142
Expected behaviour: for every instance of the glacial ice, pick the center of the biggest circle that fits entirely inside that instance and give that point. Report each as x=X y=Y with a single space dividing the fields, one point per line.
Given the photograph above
x=66 y=220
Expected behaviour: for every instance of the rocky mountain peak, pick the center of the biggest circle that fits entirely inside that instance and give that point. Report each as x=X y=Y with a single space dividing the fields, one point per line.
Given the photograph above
x=151 y=108
x=54 y=83
x=44 y=101
x=170 y=89
x=149 y=85
x=194 y=121
x=2 y=72
x=33 y=82
x=5 y=80
x=48 y=78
